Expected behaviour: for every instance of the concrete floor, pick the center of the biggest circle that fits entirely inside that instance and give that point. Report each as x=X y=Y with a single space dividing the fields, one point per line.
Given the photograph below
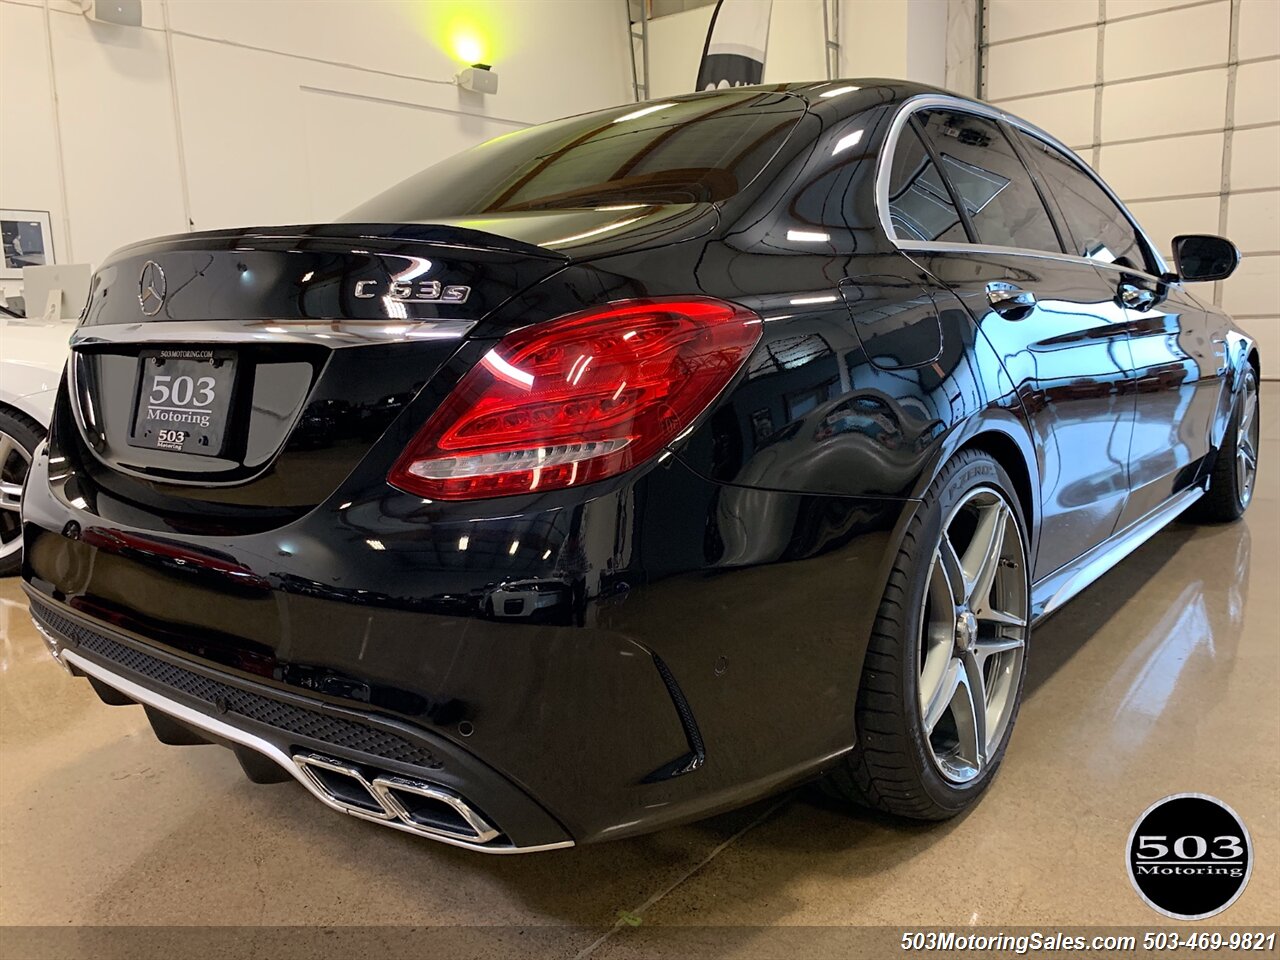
x=1161 y=679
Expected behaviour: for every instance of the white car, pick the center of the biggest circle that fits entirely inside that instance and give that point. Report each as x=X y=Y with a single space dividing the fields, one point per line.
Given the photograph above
x=32 y=355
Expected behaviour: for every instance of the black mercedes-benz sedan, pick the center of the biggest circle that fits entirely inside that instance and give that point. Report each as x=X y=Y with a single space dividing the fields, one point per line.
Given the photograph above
x=628 y=468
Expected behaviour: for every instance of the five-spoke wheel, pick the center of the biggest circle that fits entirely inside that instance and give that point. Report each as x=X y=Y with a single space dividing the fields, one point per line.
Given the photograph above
x=1234 y=471
x=15 y=461
x=1247 y=434
x=973 y=634
x=942 y=678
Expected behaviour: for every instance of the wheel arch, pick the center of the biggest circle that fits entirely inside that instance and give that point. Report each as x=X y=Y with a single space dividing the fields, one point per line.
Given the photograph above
x=1001 y=434
x=23 y=407
x=1002 y=448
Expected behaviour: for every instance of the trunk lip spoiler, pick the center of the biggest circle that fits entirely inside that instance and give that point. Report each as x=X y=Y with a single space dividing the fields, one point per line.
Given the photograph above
x=384 y=237
x=335 y=333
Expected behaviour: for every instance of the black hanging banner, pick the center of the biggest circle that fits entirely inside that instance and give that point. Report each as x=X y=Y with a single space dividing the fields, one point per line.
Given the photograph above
x=734 y=52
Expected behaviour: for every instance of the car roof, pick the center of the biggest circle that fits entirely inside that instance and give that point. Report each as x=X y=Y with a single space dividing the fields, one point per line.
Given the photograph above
x=812 y=91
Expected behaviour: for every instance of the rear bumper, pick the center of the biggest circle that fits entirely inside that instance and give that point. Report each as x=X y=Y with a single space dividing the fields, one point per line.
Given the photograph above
x=584 y=666
x=298 y=736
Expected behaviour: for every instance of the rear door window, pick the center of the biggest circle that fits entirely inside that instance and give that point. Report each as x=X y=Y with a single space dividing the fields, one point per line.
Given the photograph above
x=920 y=206
x=1099 y=228
x=997 y=192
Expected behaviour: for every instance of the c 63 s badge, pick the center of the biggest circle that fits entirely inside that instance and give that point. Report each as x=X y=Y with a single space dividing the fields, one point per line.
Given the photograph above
x=1189 y=856
x=412 y=291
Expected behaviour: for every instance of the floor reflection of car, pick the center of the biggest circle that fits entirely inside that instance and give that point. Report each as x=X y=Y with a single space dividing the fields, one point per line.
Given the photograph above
x=634 y=466
x=525 y=598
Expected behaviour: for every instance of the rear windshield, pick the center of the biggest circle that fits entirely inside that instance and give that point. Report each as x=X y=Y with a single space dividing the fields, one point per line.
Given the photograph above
x=695 y=150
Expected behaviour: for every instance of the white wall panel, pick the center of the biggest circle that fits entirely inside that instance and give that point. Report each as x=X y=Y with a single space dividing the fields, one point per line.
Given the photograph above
x=28 y=175
x=119 y=138
x=1165 y=219
x=675 y=48
x=795 y=44
x=1255 y=158
x=962 y=47
x=255 y=147
x=1266 y=333
x=1259 y=29
x=1176 y=40
x=1139 y=171
x=1175 y=171
x=318 y=140
x=1128 y=8
x=246 y=156
x=1068 y=116
x=1255 y=287
x=926 y=41
x=878 y=38
x=553 y=57
x=1258 y=93
x=1043 y=64
x=1253 y=221
x=1018 y=18
x=1153 y=108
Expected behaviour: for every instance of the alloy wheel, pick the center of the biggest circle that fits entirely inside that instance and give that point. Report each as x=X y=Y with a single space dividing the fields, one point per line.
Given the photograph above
x=15 y=461
x=973 y=634
x=1247 y=440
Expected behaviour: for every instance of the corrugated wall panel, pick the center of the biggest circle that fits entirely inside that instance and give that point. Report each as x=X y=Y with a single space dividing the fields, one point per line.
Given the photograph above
x=1174 y=103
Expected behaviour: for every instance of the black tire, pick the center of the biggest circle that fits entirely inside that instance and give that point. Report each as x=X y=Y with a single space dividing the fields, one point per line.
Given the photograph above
x=893 y=767
x=1227 y=499
x=23 y=432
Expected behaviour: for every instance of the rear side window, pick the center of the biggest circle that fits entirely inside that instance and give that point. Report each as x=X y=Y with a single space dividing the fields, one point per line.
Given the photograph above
x=1099 y=228
x=693 y=150
x=990 y=180
x=920 y=207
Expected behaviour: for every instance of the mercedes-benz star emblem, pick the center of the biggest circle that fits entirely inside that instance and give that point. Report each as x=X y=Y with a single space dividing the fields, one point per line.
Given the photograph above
x=151 y=288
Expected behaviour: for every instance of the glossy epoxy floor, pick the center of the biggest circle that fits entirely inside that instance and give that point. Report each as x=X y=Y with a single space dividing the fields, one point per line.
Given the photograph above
x=1161 y=679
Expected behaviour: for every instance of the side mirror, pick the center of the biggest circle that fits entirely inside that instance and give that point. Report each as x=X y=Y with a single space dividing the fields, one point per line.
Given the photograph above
x=1200 y=256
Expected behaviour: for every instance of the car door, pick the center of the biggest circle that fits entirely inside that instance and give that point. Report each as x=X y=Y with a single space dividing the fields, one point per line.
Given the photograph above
x=1177 y=347
x=1051 y=318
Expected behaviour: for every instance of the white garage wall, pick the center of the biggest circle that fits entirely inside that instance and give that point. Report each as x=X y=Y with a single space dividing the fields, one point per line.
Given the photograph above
x=878 y=38
x=228 y=112
x=220 y=113
x=1177 y=104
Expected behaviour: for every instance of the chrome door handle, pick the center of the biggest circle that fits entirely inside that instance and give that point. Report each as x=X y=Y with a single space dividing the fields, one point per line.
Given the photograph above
x=1009 y=297
x=1136 y=297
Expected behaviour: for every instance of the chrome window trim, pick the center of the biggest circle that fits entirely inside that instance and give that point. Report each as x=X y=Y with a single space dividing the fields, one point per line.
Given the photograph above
x=918 y=246
x=928 y=101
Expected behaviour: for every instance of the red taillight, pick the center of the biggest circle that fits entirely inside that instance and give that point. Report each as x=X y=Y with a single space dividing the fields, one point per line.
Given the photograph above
x=578 y=399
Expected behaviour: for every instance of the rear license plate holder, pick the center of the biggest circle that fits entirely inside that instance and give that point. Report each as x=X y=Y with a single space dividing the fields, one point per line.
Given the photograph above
x=183 y=400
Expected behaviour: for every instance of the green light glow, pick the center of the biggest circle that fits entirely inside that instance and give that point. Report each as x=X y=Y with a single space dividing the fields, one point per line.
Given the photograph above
x=469 y=31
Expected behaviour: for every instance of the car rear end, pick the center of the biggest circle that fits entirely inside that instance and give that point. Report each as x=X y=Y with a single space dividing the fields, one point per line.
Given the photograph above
x=390 y=506
x=301 y=508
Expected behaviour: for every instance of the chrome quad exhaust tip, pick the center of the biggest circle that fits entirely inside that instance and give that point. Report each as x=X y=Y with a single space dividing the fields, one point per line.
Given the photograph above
x=414 y=805
x=399 y=802
x=432 y=808
x=343 y=785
